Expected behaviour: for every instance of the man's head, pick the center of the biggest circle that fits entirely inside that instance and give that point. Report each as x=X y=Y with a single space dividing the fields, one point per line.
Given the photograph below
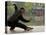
x=22 y=10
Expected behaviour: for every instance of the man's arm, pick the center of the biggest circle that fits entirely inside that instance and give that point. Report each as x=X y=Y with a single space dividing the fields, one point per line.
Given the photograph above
x=22 y=19
x=15 y=7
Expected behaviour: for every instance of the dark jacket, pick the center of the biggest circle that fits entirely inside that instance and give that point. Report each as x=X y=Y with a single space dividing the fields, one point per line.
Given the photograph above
x=13 y=20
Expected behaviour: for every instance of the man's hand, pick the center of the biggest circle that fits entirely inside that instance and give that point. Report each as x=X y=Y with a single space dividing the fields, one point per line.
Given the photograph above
x=30 y=19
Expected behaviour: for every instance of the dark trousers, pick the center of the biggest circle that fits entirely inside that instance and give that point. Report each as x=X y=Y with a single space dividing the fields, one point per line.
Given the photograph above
x=19 y=25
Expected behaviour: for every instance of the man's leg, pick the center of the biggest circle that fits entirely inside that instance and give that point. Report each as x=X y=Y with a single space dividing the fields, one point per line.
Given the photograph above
x=12 y=27
x=21 y=26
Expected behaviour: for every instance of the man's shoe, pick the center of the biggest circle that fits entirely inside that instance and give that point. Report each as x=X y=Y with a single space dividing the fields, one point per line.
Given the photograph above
x=28 y=29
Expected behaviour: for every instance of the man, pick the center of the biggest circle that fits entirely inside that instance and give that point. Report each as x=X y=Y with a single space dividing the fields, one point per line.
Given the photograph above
x=14 y=19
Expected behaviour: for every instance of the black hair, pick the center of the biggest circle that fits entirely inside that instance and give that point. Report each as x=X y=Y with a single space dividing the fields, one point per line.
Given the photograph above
x=22 y=8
